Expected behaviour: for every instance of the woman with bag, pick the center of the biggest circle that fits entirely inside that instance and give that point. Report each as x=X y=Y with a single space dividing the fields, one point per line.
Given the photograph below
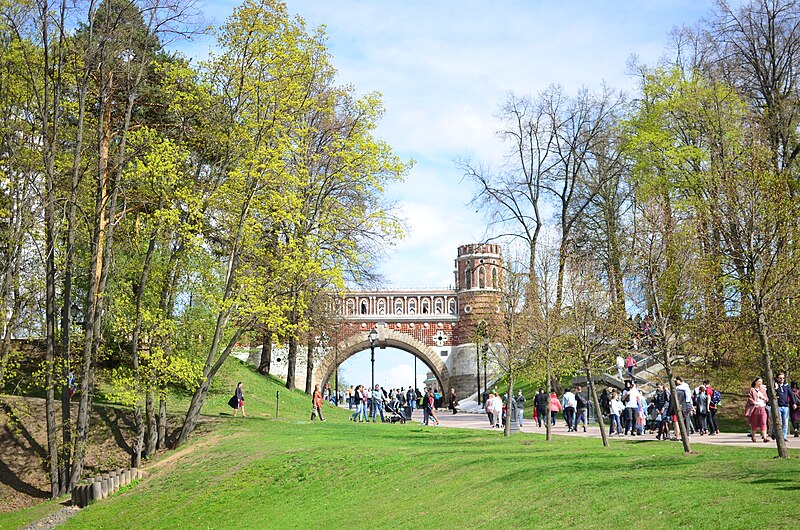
x=316 y=404
x=756 y=411
x=238 y=400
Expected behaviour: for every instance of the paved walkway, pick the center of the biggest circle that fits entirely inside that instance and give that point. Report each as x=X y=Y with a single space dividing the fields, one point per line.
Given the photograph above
x=480 y=421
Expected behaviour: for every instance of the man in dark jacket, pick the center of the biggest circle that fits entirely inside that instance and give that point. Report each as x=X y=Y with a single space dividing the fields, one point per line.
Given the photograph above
x=660 y=401
x=580 y=409
x=786 y=403
x=520 y=400
x=542 y=404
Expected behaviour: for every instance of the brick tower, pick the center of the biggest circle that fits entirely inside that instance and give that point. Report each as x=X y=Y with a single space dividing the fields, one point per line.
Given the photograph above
x=478 y=276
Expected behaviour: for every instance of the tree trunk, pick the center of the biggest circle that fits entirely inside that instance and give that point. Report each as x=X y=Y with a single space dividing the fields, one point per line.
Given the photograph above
x=199 y=397
x=93 y=310
x=134 y=346
x=151 y=439
x=69 y=256
x=266 y=353
x=548 y=389
x=138 y=444
x=766 y=362
x=598 y=411
x=509 y=397
x=667 y=358
x=162 y=423
x=309 y=364
x=291 y=364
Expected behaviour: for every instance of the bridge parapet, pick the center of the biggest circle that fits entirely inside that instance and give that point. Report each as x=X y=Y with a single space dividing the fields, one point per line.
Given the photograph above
x=408 y=306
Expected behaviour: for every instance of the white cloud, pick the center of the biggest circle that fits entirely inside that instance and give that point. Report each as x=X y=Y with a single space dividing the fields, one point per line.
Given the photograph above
x=444 y=68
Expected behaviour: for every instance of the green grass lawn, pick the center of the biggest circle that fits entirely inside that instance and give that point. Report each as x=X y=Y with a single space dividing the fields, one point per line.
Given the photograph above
x=259 y=472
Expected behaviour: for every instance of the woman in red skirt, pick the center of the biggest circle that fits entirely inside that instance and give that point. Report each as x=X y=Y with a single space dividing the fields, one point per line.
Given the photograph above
x=756 y=410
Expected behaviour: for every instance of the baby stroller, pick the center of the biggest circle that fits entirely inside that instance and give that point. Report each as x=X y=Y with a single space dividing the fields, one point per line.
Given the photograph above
x=395 y=412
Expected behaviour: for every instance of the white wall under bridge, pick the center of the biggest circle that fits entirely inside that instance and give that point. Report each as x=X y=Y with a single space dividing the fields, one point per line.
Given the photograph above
x=388 y=338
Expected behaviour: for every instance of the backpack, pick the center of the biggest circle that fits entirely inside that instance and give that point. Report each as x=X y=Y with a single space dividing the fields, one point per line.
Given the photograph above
x=580 y=400
x=716 y=398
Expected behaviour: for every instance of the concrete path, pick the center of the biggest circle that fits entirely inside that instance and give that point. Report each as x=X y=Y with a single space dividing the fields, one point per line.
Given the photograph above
x=480 y=421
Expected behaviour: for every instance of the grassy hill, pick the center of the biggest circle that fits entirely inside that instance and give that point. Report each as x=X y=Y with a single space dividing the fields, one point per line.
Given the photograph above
x=263 y=472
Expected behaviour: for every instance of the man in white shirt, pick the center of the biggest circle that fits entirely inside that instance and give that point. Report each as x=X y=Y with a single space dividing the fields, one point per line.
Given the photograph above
x=569 y=403
x=632 y=409
x=683 y=391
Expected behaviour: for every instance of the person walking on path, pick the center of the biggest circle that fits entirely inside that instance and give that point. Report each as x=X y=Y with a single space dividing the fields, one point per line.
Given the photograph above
x=684 y=394
x=497 y=410
x=620 y=367
x=795 y=415
x=377 y=403
x=520 y=407
x=714 y=399
x=488 y=407
x=239 y=395
x=428 y=406
x=555 y=407
x=756 y=411
x=360 y=403
x=316 y=404
x=581 y=407
x=786 y=403
x=350 y=402
x=630 y=363
x=542 y=405
x=569 y=403
x=632 y=405
x=453 y=401
x=616 y=408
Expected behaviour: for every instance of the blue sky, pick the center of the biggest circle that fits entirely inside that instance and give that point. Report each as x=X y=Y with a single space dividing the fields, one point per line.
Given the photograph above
x=444 y=67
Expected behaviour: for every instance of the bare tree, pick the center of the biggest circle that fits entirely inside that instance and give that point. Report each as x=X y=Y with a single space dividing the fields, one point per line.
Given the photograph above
x=512 y=195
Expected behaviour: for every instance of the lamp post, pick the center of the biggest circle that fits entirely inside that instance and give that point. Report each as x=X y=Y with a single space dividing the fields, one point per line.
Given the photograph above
x=485 y=381
x=478 y=371
x=373 y=338
x=480 y=333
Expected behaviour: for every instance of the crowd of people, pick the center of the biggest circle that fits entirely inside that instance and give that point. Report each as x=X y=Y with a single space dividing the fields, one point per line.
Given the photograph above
x=630 y=413
x=397 y=401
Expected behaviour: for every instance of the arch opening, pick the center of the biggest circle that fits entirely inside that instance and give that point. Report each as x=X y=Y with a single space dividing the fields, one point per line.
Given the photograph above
x=394 y=339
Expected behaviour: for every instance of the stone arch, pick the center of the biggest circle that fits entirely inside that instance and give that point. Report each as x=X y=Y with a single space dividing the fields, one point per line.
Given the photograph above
x=392 y=338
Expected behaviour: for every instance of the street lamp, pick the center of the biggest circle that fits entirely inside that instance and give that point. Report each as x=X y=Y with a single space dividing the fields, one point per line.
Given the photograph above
x=480 y=333
x=373 y=338
x=478 y=371
x=485 y=381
